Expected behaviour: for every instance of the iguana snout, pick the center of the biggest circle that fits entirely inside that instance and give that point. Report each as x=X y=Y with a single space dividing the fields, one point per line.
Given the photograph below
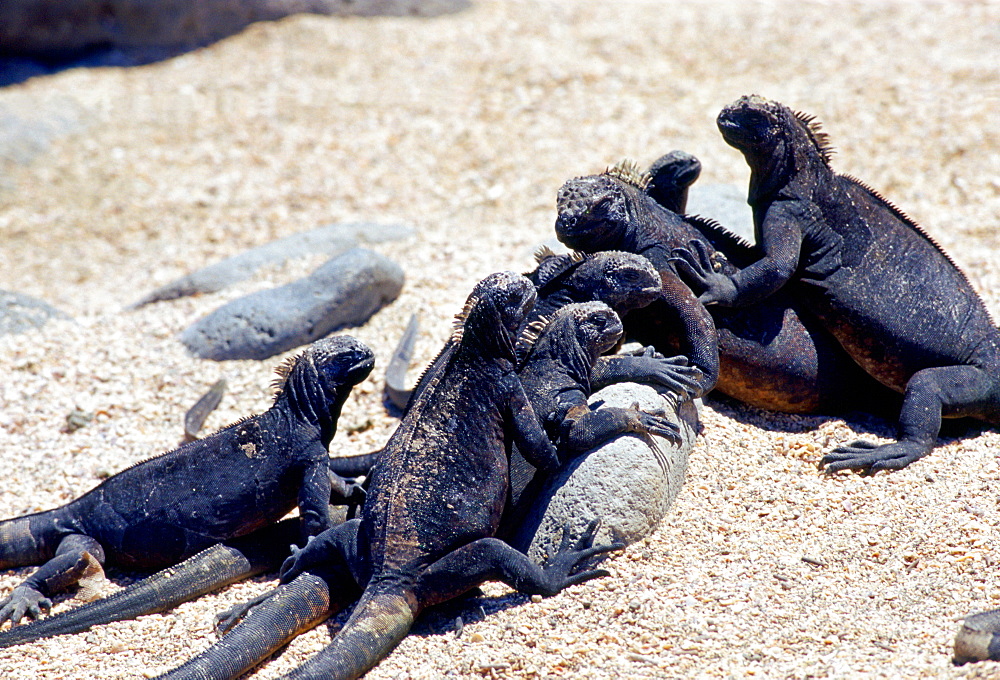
x=341 y=360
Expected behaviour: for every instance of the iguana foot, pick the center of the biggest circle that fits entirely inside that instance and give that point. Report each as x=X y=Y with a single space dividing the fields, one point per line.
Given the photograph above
x=694 y=265
x=869 y=458
x=655 y=423
x=673 y=374
x=560 y=567
x=225 y=620
x=295 y=563
x=24 y=601
x=978 y=639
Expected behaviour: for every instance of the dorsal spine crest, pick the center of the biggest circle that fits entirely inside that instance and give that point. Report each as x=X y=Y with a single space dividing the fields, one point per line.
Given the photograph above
x=628 y=171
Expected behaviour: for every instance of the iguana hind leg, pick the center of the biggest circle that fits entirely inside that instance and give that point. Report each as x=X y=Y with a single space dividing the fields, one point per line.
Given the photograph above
x=76 y=557
x=952 y=391
x=489 y=559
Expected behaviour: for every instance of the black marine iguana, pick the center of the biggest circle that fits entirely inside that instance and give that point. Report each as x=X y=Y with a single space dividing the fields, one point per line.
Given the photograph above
x=773 y=355
x=878 y=283
x=557 y=359
x=426 y=529
x=621 y=280
x=670 y=178
x=208 y=505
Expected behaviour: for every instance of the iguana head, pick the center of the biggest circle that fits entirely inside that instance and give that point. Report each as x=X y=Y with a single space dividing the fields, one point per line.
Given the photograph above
x=598 y=327
x=575 y=335
x=623 y=281
x=333 y=362
x=596 y=212
x=770 y=134
x=494 y=311
x=672 y=175
x=318 y=381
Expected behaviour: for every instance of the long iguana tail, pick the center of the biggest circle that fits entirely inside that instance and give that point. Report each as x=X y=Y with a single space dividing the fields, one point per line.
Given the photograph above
x=209 y=570
x=27 y=540
x=295 y=608
x=380 y=621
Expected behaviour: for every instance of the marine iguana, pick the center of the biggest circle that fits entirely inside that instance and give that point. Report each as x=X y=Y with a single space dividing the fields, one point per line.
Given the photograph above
x=426 y=531
x=670 y=177
x=557 y=358
x=892 y=298
x=622 y=280
x=774 y=355
x=208 y=505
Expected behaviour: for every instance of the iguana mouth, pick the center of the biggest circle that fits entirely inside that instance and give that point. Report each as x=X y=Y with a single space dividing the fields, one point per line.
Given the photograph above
x=361 y=368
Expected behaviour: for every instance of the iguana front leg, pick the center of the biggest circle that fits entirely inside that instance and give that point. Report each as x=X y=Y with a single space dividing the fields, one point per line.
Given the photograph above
x=650 y=368
x=585 y=428
x=315 y=491
x=780 y=237
x=528 y=434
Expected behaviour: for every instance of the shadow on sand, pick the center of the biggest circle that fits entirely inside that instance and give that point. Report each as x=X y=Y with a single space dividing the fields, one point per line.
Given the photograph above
x=41 y=37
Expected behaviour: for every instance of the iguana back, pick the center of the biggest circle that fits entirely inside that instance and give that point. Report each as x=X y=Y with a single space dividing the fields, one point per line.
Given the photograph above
x=891 y=297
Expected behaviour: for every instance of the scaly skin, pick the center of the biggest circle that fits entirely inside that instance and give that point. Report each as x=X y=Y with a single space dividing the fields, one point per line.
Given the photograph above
x=622 y=280
x=426 y=531
x=890 y=296
x=557 y=373
x=774 y=355
x=225 y=490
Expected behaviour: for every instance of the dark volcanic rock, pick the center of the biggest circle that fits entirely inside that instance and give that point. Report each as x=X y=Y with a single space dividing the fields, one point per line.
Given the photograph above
x=346 y=291
x=19 y=313
x=54 y=28
x=331 y=240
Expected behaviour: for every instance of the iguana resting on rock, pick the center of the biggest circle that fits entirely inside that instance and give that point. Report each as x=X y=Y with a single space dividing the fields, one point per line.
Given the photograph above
x=890 y=296
x=558 y=357
x=426 y=530
x=621 y=280
x=208 y=505
x=773 y=355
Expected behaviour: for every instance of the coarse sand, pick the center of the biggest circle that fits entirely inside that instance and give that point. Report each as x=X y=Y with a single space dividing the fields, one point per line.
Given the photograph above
x=465 y=126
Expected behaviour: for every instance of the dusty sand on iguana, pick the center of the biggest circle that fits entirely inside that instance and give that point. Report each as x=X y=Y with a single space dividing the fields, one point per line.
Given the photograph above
x=465 y=126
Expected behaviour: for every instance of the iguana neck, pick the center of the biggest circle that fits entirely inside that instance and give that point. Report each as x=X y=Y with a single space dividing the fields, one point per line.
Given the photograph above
x=789 y=173
x=487 y=337
x=560 y=347
x=307 y=400
x=646 y=233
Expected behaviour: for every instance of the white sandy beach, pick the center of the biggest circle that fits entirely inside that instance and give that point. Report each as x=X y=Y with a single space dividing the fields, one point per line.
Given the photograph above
x=464 y=126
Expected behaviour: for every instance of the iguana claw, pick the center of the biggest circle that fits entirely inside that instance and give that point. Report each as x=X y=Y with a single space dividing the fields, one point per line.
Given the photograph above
x=24 y=601
x=869 y=458
x=560 y=567
x=694 y=265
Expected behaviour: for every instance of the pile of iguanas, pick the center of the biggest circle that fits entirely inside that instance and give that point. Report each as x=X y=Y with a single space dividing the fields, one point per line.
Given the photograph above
x=843 y=303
